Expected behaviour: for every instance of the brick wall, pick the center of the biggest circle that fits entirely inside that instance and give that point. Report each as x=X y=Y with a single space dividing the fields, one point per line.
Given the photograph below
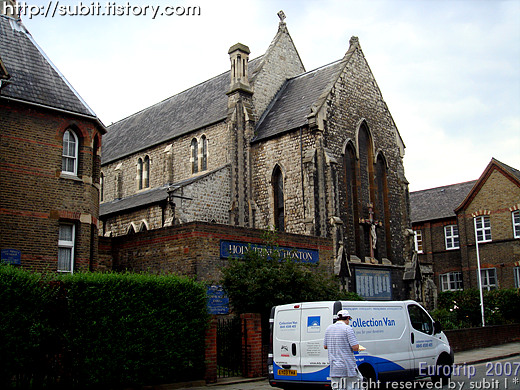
x=35 y=196
x=489 y=336
x=496 y=195
x=193 y=249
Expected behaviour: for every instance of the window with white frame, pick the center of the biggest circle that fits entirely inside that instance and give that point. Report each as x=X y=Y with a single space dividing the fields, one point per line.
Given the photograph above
x=451 y=236
x=69 y=160
x=418 y=241
x=515 y=215
x=517 y=276
x=66 y=248
x=483 y=228
x=451 y=281
x=488 y=278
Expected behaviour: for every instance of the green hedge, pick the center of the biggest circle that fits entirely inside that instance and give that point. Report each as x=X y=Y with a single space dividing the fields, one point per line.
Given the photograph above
x=105 y=330
x=461 y=309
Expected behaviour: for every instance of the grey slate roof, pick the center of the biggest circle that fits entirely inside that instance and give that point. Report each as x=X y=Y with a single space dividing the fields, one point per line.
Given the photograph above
x=513 y=171
x=141 y=199
x=34 y=78
x=438 y=203
x=145 y=198
x=292 y=104
x=187 y=111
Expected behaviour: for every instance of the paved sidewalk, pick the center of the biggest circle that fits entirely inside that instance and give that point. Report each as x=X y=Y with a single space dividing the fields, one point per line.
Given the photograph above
x=471 y=356
x=486 y=354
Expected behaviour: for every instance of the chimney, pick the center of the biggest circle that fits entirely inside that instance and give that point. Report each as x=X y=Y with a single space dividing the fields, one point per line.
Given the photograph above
x=10 y=8
x=239 y=57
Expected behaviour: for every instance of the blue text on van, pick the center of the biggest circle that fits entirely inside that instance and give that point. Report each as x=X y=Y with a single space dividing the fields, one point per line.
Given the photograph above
x=359 y=323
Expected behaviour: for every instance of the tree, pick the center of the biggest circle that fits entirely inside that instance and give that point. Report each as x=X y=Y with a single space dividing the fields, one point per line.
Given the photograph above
x=262 y=279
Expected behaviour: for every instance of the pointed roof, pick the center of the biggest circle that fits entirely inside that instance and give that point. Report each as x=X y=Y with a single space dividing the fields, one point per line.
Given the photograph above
x=494 y=165
x=34 y=78
x=438 y=203
x=302 y=98
x=192 y=109
x=293 y=103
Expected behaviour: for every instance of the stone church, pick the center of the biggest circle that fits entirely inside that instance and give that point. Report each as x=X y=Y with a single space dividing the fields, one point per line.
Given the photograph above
x=266 y=145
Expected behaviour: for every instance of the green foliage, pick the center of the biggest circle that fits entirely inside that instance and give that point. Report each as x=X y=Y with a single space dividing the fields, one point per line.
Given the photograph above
x=25 y=328
x=109 y=330
x=262 y=280
x=461 y=309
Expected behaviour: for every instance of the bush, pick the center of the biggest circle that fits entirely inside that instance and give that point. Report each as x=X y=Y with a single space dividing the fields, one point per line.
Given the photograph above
x=260 y=281
x=26 y=334
x=135 y=329
x=100 y=330
x=461 y=309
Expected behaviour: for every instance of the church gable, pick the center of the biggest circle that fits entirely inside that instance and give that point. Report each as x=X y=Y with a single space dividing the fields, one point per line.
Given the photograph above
x=280 y=62
x=500 y=176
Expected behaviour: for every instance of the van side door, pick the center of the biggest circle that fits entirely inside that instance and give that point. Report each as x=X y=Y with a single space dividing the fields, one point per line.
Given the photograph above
x=424 y=344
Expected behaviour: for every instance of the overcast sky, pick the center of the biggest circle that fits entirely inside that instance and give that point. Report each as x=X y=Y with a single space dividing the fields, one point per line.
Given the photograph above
x=449 y=70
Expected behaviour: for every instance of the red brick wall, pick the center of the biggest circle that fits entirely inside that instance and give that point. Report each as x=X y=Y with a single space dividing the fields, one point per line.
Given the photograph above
x=252 y=358
x=464 y=339
x=193 y=249
x=35 y=197
x=211 y=352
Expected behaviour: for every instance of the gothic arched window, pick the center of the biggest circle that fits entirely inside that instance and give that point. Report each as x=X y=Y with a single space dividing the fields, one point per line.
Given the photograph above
x=352 y=199
x=146 y=172
x=194 y=156
x=279 y=211
x=366 y=180
x=140 y=174
x=382 y=208
x=204 y=151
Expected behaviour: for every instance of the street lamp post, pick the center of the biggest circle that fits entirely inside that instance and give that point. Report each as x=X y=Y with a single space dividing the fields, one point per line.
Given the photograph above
x=479 y=274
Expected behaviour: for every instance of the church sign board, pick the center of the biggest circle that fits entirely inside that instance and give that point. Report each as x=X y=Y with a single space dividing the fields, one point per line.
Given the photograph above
x=235 y=249
x=374 y=284
x=218 y=301
x=11 y=256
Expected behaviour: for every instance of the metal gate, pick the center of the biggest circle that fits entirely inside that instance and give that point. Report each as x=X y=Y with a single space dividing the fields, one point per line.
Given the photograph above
x=229 y=347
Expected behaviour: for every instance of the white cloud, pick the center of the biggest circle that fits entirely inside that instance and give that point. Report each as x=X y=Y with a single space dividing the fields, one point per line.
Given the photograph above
x=449 y=70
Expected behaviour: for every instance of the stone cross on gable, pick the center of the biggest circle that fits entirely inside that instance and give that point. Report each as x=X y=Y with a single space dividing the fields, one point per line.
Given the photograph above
x=281 y=15
x=372 y=224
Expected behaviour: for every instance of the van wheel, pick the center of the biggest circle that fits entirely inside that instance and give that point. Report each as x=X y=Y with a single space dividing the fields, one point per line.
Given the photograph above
x=443 y=370
x=369 y=375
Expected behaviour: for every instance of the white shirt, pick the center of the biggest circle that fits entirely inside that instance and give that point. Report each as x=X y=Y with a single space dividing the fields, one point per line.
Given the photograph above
x=339 y=339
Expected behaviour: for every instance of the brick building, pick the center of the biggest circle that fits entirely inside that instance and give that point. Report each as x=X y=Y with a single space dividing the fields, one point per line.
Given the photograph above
x=445 y=220
x=50 y=161
x=267 y=144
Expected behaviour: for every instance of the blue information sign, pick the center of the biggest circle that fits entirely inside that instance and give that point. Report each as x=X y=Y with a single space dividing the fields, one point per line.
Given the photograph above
x=374 y=284
x=11 y=256
x=234 y=249
x=218 y=301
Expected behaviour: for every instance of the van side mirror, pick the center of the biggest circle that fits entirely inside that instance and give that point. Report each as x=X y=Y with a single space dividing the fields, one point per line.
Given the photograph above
x=437 y=327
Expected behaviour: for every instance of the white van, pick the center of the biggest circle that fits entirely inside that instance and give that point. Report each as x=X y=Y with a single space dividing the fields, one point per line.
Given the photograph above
x=401 y=340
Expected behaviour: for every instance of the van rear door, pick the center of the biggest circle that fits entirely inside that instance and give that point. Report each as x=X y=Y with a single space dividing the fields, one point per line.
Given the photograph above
x=315 y=318
x=286 y=343
x=298 y=332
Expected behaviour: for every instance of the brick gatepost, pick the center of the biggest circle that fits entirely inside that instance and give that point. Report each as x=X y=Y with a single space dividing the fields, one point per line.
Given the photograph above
x=251 y=345
x=211 y=352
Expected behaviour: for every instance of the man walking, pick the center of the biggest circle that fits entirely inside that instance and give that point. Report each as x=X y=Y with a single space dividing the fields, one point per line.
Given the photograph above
x=340 y=343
